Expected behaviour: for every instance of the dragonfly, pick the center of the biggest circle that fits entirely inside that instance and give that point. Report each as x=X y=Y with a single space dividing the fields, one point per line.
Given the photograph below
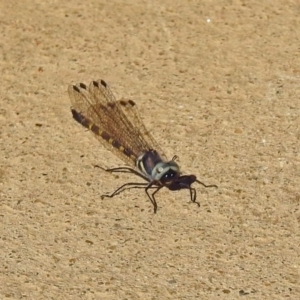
x=119 y=127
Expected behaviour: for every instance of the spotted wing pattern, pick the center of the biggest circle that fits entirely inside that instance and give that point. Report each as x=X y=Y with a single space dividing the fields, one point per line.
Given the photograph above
x=115 y=122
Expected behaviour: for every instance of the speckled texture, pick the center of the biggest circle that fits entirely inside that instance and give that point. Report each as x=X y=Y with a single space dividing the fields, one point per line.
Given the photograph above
x=218 y=84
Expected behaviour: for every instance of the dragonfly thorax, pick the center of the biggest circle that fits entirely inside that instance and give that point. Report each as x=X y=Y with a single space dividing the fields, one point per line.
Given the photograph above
x=152 y=165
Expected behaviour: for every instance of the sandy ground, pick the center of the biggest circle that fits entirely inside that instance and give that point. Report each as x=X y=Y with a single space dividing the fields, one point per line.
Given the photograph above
x=217 y=83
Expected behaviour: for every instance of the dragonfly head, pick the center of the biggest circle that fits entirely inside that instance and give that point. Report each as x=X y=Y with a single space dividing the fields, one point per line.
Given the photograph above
x=166 y=172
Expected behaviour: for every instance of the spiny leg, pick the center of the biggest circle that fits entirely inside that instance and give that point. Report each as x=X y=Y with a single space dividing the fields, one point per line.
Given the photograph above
x=152 y=199
x=128 y=185
x=123 y=170
x=207 y=186
x=193 y=194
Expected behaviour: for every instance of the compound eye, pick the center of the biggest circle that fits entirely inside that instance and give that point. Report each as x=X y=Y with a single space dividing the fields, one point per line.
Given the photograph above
x=169 y=177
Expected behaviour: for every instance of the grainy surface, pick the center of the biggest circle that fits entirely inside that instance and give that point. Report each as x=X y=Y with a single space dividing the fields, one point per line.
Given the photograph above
x=218 y=84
